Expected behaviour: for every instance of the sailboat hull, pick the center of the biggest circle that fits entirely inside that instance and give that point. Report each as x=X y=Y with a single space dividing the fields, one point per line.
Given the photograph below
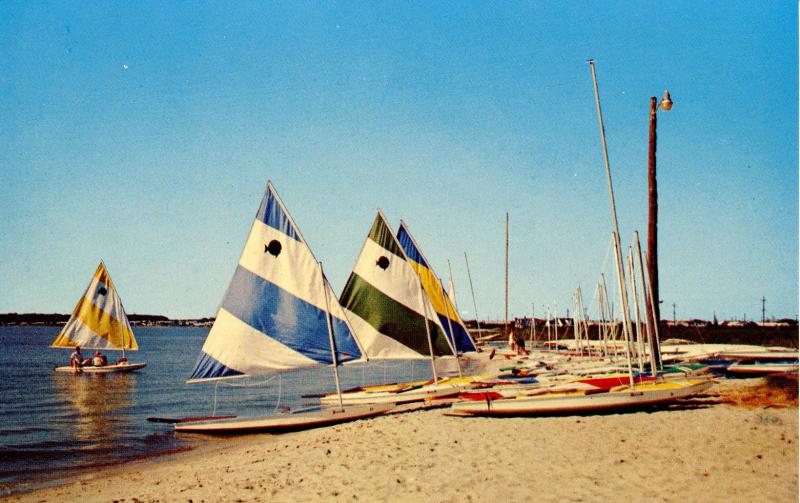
x=760 y=369
x=284 y=422
x=640 y=395
x=106 y=369
x=397 y=397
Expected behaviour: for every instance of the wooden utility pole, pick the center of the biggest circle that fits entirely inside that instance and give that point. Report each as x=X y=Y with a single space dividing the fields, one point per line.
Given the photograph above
x=652 y=221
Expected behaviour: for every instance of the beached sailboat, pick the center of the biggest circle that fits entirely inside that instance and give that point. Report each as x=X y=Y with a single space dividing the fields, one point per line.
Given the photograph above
x=278 y=314
x=441 y=302
x=583 y=400
x=99 y=322
x=579 y=401
x=394 y=319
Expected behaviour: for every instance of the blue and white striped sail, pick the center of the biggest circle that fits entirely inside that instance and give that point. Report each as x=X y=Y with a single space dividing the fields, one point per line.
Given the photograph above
x=273 y=315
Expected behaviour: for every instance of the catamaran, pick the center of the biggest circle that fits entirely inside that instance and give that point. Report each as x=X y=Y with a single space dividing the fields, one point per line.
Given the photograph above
x=278 y=314
x=99 y=322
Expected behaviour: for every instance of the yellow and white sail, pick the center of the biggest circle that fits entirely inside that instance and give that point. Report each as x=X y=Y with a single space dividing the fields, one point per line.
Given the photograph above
x=99 y=320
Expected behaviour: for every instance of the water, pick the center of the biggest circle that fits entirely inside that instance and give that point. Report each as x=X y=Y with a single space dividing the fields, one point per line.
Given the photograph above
x=58 y=424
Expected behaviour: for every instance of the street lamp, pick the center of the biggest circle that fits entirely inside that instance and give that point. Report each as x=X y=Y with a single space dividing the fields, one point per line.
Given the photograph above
x=652 y=223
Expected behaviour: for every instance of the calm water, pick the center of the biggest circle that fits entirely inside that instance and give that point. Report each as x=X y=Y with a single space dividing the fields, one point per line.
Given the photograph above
x=57 y=424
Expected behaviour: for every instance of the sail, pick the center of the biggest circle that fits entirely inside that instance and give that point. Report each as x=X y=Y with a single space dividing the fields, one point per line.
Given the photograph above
x=383 y=301
x=451 y=292
x=445 y=310
x=98 y=321
x=273 y=315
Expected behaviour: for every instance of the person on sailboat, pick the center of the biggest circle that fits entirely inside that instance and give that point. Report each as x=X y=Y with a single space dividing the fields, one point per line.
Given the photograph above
x=99 y=359
x=76 y=359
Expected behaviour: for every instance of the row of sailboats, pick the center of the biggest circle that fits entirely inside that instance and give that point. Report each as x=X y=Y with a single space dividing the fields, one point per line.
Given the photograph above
x=280 y=313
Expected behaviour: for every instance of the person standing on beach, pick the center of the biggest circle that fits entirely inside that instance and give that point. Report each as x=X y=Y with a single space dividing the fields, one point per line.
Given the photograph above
x=520 y=342
x=512 y=345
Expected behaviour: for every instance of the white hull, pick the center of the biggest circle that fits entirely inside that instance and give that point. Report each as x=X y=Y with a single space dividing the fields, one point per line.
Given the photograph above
x=758 y=355
x=280 y=422
x=388 y=397
x=105 y=369
x=639 y=396
x=762 y=369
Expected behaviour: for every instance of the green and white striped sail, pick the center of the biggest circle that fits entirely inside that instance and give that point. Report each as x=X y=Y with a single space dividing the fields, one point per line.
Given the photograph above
x=385 y=304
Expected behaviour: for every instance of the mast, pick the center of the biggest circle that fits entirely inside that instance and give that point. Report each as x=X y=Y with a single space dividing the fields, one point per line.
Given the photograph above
x=533 y=323
x=617 y=247
x=654 y=342
x=455 y=301
x=427 y=328
x=626 y=332
x=330 y=337
x=472 y=290
x=639 y=340
x=450 y=327
x=506 y=318
x=646 y=300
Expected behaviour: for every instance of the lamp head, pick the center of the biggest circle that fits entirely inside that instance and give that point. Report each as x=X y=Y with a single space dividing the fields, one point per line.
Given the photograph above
x=666 y=102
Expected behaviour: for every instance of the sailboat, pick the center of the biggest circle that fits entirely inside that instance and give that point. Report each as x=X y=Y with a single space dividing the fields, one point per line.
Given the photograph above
x=278 y=314
x=99 y=322
x=442 y=304
x=386 y=303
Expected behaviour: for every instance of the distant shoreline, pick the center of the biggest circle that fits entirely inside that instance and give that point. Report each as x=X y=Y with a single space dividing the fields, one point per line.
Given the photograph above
x=782 y=332
x=59 y=319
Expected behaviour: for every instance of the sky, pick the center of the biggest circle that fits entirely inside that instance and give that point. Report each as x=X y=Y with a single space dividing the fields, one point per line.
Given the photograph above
x=144 y=133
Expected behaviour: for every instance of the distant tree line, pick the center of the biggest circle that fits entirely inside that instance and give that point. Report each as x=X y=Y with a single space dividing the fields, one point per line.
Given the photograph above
x=60 y=319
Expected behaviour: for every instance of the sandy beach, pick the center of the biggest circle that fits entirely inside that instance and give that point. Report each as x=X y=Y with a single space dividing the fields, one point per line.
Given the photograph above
x=733 y=448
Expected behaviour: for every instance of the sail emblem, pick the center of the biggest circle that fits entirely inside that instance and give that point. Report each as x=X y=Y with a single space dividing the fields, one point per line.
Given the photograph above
x=102 y=291
x=273 y=248
x=383 y=262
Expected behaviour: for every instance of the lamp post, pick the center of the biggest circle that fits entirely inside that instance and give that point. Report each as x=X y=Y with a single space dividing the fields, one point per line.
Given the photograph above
x=652 y=222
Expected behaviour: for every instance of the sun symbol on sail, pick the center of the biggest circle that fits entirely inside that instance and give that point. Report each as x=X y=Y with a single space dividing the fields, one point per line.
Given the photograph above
x=383 y=262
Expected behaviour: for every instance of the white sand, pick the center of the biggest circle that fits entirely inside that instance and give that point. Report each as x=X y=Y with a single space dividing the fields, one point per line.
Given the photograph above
x=718 y=453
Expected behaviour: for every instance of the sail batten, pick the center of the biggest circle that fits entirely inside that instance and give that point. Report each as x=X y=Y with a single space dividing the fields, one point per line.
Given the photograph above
x=273 y=316
x=98 y=320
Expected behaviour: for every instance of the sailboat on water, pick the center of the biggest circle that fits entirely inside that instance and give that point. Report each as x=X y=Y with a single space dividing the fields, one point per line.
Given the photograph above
x=99 y=322
x=278 y=314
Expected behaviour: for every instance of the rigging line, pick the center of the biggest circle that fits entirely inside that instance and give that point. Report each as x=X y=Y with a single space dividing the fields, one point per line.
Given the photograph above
x=280 y=393
x=253 y=385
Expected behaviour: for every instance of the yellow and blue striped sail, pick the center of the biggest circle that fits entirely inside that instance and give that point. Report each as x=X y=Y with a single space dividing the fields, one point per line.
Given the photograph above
x=448 y=315
x=99 y=320
x=273 y=315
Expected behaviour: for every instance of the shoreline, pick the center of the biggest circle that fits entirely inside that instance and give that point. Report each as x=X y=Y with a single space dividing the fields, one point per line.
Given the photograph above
x=731 y=447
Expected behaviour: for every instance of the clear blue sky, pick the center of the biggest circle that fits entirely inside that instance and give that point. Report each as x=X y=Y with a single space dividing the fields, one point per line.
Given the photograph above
x=144 y=135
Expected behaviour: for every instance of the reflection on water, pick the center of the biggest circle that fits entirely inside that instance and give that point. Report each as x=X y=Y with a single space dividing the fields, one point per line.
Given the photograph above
x=98 y=406
x=54 y=424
